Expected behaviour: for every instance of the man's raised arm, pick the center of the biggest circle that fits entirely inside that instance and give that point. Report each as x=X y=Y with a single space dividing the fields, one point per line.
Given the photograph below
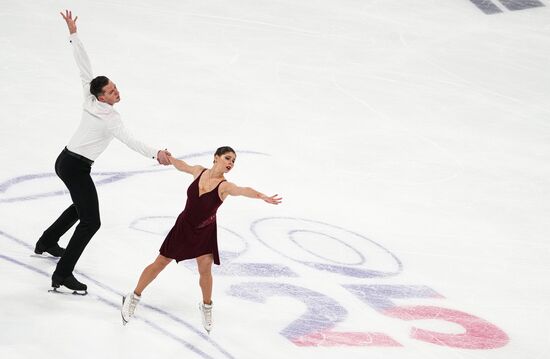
x=80 y=55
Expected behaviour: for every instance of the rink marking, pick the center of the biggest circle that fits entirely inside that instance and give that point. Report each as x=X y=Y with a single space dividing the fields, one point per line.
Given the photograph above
x=316 y=326
x=489 y=7
x=116 y=305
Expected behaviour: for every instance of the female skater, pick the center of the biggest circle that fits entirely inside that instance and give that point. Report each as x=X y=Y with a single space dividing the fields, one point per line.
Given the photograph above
x=194 y=234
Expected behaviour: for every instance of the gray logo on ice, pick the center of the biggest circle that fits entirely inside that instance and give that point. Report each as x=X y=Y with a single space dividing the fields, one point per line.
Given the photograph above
x=490 y=7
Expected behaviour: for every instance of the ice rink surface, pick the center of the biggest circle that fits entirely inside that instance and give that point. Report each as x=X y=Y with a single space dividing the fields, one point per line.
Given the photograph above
x=409 y=139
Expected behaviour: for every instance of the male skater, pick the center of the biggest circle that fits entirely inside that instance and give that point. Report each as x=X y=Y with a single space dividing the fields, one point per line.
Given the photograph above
x=100 y=123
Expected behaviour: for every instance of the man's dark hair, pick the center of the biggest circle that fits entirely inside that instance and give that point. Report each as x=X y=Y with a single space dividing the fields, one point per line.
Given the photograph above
x=97 y=85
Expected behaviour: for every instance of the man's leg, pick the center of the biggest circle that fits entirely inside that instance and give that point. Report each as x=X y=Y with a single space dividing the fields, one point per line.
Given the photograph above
x=51 y=236
x=84 y=195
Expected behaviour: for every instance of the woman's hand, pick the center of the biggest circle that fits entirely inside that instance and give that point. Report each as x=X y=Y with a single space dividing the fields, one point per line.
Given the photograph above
x=273 y=199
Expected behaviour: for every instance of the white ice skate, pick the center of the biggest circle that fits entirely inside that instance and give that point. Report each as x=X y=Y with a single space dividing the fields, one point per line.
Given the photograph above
x=206 y=314
x=129 y=303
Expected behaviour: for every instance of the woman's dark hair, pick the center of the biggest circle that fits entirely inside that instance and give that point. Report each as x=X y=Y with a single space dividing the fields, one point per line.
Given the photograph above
x=223 y=150
x=97 y=85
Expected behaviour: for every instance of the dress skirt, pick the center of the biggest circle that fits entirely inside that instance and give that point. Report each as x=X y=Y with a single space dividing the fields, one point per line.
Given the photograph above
x=185 y=241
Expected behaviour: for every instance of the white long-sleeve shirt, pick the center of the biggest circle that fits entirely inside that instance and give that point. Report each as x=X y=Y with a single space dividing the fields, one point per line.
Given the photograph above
x=100 y=122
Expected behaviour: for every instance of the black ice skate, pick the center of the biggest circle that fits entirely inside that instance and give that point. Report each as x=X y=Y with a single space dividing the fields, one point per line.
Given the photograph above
x=55 y=250
x=69 y=282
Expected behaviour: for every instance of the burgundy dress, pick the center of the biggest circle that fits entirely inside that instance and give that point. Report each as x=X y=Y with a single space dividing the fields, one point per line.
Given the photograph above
x=195 y=232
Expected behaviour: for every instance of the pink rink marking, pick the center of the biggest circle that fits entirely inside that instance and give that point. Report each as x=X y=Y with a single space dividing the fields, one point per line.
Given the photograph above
x=479 y=334
x=331 y=339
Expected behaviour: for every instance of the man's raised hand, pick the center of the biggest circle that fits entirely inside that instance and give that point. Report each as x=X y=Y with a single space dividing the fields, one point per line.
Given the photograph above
x=71 y=23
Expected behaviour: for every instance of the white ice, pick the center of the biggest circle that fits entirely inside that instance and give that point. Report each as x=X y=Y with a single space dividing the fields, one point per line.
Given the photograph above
x=408 y=138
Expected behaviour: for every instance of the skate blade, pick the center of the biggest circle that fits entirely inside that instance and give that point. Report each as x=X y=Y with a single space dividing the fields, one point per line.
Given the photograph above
x=124 y=321
x=43 y=256
x=74 y=292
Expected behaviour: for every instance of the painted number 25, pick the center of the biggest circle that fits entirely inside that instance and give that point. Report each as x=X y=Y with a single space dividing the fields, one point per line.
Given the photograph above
x=315 y=326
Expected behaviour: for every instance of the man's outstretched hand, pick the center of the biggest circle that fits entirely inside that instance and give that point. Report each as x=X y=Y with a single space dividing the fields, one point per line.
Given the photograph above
x=71 y=23
x=163 y=157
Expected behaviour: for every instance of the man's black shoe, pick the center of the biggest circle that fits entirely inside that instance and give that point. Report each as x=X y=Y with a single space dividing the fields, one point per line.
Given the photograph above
x=69 y=282
x=54 y=250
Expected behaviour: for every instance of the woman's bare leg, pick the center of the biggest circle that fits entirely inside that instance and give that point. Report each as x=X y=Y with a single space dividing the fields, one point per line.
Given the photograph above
x=151 y=272
x=204 y=264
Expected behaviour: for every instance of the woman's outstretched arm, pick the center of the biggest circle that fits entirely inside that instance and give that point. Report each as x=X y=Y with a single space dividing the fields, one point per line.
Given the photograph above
x=232 y=189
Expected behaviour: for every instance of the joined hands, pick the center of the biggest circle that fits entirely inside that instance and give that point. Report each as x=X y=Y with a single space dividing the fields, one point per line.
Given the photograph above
x=163 y=157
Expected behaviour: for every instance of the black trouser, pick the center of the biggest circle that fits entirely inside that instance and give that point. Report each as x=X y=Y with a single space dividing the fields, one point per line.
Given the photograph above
x=74 y=171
